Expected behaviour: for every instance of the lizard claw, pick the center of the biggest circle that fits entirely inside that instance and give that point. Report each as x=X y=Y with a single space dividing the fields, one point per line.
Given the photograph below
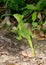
x=18 y=38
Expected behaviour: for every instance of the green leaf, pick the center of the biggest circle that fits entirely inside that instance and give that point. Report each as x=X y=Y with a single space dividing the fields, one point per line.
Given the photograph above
x=14 y=4
x=25 y=12
x=41 y=4
x=34 y=24
x=30 y=6
x=34 y=16
x=1 y=1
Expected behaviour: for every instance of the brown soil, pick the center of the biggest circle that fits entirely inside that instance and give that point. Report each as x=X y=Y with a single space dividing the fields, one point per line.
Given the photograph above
x=14 y=52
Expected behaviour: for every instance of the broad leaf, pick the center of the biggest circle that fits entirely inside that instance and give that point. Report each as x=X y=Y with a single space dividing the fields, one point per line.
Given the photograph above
x=34 y=24
x=34 y=16
x=25 y=12
x=30 y=6
x=41 y=4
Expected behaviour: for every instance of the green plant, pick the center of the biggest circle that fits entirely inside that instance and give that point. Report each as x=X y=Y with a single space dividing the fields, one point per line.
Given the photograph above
x=13 y=4
x=33 y=10
x=34 y=24
x=1 y=1
x=34 y=16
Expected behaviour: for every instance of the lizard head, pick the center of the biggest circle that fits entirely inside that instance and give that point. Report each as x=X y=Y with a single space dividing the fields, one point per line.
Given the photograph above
x=18 y=17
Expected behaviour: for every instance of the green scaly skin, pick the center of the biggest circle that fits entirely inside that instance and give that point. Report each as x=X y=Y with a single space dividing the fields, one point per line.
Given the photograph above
x=23 y=32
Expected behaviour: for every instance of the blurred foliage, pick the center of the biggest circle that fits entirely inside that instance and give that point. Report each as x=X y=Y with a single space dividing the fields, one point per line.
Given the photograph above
x=13 y=4
x=29 y=8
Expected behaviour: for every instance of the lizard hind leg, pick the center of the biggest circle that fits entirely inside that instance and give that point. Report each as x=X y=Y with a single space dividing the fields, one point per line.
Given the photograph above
x=32 y=48
x=19 y=36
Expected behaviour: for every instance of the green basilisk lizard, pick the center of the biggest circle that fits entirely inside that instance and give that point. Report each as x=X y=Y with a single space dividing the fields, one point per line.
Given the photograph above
x=23 y=32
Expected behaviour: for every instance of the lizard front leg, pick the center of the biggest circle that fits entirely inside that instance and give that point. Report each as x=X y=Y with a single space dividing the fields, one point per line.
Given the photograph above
x=19 y=35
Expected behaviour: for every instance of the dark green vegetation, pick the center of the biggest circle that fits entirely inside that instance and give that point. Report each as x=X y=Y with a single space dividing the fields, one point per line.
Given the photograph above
x=32 y=12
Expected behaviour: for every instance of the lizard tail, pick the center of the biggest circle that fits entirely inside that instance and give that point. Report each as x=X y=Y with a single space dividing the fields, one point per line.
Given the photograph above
x=31 y=46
